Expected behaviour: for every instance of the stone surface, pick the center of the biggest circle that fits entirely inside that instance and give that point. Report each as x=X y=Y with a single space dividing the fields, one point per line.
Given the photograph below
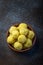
x=16 y=11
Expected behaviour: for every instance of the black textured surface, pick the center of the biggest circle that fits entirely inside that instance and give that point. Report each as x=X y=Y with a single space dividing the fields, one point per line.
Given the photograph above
x=15 y=11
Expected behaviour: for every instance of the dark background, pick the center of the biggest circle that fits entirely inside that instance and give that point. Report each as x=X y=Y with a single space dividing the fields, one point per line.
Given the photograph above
x=15 y=11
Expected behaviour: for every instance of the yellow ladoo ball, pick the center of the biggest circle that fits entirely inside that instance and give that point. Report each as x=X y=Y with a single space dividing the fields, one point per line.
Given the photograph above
x=23 y=25
x=22 y=39
x=12 y=28
x=24 y=31
x=15 y=34
x=28 y=43
x=17 y=45
x=10 y=39
x=31 y=34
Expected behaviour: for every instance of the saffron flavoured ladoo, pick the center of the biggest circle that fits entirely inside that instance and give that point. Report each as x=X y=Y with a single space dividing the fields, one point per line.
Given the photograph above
x=20 y=37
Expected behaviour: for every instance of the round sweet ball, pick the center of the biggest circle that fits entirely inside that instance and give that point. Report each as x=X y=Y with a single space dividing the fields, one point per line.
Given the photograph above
x=24 y=31
x=22 y=25
x=31 y=34
x=22 y=38
x=18 y=45
x=12 y=28
x=18 y=28
x=28 y=43
x=15 y=34
x=10 y=39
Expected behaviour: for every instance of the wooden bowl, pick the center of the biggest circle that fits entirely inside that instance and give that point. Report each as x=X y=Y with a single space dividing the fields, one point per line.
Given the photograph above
x=33 y=42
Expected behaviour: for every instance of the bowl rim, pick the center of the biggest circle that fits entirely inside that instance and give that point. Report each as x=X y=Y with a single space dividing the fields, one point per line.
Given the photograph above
x=23 y=49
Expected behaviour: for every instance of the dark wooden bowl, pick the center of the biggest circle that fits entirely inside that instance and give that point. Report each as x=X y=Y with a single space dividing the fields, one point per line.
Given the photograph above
x=33 y=42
